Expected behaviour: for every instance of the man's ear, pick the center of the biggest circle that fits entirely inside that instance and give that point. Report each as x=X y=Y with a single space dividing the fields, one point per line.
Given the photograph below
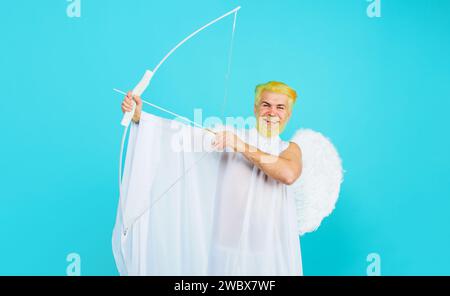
x=290 y=111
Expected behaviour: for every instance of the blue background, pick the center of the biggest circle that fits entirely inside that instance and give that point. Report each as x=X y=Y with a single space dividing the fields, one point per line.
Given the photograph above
x=377 y=87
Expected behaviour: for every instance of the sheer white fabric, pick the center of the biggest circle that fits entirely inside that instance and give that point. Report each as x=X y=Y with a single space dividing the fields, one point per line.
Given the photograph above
x=185 y=212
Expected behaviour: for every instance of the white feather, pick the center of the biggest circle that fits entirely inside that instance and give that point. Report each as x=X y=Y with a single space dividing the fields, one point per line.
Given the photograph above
x=317 y=190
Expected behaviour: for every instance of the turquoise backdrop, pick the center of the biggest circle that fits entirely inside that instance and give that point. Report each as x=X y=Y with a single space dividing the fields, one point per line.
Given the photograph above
x=379 y=88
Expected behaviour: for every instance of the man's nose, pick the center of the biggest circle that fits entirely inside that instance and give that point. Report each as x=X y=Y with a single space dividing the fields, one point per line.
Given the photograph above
x=272 y=111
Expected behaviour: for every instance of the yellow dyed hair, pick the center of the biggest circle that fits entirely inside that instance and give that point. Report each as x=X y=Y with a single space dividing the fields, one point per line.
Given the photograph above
x=276 y=87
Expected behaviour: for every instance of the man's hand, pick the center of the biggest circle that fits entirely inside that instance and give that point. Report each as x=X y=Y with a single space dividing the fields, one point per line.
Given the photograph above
x=228 y=139
x=127 y=105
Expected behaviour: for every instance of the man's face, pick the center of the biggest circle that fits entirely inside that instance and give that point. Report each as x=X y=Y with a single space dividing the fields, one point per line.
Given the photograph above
x=272 y=113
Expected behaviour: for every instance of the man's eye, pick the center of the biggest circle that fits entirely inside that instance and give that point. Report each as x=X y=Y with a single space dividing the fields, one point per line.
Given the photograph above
x=281 y=107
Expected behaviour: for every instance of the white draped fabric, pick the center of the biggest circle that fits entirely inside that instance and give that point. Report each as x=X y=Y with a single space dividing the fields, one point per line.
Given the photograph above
x=187 y=211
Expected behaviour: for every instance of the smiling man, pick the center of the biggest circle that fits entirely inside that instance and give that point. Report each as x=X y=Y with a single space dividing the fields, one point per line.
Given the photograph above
x=229 y=214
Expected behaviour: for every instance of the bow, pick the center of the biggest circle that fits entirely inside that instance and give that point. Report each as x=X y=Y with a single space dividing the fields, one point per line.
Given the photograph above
x=145 y=81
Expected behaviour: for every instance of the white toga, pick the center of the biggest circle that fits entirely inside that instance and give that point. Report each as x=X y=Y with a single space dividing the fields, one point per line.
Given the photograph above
x=184 y=212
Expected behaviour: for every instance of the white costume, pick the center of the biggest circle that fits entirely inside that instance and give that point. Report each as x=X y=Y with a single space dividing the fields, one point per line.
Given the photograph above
x=184 y=212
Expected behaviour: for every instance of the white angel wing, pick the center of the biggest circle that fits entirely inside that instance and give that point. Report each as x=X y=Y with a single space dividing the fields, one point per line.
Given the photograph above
x=317 y=189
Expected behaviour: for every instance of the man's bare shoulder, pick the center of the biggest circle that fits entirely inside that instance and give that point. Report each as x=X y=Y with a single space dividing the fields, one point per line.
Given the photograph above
x=292 y=151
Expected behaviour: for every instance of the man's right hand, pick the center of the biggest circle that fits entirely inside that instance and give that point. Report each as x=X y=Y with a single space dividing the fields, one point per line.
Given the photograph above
x=127 y=105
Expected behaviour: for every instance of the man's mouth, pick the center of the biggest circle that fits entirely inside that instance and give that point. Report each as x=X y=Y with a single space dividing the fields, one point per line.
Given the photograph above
x=271 y=121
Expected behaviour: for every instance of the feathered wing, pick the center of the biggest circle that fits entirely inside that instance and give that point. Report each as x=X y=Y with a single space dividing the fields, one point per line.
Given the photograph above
x=317 y=190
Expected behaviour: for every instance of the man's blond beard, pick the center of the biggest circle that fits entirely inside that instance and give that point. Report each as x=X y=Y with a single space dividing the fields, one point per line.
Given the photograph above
x=274 y=130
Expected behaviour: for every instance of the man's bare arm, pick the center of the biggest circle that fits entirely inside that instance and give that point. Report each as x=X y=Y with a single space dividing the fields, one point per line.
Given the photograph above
x=286 y=168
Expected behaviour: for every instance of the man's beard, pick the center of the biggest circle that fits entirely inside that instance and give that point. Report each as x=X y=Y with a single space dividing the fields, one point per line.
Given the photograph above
x=272 y=129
